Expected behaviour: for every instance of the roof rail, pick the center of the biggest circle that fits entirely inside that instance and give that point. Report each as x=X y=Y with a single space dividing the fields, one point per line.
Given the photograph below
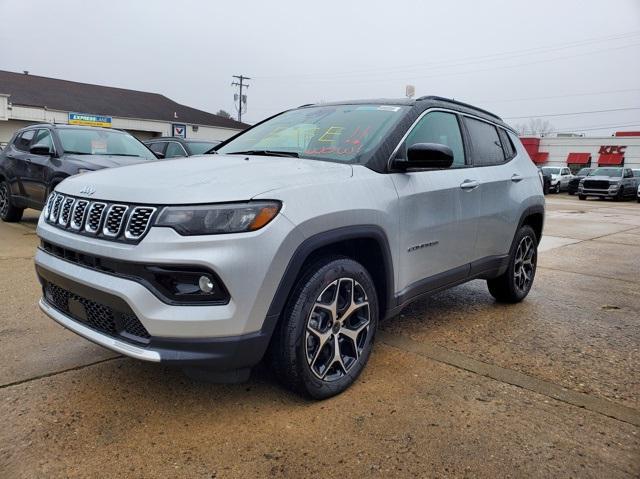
x=306 y=104
x=451 y=100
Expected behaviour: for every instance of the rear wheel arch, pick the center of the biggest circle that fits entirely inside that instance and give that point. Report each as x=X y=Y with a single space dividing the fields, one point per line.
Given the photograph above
x=534 y=217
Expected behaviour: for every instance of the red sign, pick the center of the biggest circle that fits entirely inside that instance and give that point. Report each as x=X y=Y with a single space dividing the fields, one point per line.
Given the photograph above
x=612 y=150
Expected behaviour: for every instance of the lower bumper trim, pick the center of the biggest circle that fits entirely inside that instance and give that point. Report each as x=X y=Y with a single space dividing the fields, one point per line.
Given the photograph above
x=216 y=354
x=98 y=338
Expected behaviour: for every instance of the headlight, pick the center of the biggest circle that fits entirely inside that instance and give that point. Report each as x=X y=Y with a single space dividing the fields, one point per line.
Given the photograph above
x=218 y=219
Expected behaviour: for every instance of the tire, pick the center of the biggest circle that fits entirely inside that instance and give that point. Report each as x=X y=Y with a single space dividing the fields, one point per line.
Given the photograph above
x=571 y=193
x=620 y=195
x=514 y=285
x=302 y=353
x=582 y=197
x=8 y=212
x=557 y=189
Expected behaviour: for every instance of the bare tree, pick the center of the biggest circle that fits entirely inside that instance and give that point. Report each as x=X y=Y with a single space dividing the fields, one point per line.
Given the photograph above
x=535 y=126
x=223 y=114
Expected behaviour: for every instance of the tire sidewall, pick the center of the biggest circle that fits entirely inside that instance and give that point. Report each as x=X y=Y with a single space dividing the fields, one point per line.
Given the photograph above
x=4 y=215
x=520 y=235
x=301 y=309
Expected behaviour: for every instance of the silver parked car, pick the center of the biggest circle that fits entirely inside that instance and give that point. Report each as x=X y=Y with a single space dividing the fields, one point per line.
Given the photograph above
x=560 y=177
x=307 y=230
x=608 y=182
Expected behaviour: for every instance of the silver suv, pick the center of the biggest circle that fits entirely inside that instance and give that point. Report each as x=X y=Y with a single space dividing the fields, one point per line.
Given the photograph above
x=295 y=240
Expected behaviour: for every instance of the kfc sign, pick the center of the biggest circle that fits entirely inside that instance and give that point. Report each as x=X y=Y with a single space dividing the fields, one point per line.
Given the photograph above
x=612 y=150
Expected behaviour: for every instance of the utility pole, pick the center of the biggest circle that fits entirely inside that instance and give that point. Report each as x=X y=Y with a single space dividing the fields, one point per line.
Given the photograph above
x=242 y=99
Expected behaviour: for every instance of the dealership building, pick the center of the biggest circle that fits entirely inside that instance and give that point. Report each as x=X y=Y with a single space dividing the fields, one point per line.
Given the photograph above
x=621 y=149
x=27 y=99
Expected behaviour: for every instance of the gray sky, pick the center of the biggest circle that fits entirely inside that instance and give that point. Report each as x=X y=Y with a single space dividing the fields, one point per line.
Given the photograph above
x=514 y=58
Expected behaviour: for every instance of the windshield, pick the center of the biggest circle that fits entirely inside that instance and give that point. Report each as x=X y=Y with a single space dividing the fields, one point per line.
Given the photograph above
x=551 y=171
x=201 y=147
x=606 y=172
x=335 y=133
x=584 y=172
x=102 y=142
x=636 y=173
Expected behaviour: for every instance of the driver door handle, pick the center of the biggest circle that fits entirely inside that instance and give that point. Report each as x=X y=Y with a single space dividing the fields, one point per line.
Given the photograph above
x=516 y=177
x=469 y=184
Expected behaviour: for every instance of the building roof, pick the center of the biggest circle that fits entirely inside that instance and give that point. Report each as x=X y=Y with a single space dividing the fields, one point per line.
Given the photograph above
x=64 y=95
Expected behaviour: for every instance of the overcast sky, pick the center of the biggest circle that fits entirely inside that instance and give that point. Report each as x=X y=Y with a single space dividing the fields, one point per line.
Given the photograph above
x=514 y=58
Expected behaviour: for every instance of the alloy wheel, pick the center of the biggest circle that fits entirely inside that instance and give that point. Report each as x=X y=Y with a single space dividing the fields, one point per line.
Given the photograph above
x=525 y=263
x=337 y=329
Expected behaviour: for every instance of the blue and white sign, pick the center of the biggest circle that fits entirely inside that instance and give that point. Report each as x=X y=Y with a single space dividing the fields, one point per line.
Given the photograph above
x=179 y=130
x=89 y=120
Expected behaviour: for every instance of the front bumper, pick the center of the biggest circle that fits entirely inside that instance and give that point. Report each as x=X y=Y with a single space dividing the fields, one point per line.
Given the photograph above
x=223 y=354
x=221 y=336
x=602 y=193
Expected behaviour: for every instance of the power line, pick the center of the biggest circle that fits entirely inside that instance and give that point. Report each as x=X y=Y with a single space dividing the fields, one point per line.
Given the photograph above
x=570 y=114
x=242 y=99
x=558 y=96
x=464 y=60
x=587 y=128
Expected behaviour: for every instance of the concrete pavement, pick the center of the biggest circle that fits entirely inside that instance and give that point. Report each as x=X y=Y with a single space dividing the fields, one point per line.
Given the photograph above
x=457 y=386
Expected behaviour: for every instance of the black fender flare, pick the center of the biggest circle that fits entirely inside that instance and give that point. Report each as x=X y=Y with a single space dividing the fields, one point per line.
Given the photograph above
x=532 y=210
x=326 y=238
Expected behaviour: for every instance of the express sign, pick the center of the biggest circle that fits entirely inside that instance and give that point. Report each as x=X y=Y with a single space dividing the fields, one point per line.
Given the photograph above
x=611 y=150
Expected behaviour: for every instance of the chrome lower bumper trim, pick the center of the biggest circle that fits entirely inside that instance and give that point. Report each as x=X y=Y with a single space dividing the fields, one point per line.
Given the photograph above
x=98 y=338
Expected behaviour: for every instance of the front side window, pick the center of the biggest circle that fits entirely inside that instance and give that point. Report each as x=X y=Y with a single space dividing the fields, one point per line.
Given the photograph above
x=487 y=149
x=174 y=150
x=340 y=133
x=158 y=147
x=438 y=127
x=43 y=138
x=90 y=141
x=24 y=139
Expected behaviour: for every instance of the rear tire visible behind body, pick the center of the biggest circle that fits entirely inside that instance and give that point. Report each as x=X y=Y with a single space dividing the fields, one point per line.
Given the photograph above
x=514 y=285
x=8 y=212
x=325 y=337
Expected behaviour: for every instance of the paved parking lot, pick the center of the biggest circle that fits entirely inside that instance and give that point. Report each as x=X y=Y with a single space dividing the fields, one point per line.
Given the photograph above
x=458 y=386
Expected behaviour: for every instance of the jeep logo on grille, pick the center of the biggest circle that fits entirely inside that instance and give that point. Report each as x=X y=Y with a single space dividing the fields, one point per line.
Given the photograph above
x=87 y=190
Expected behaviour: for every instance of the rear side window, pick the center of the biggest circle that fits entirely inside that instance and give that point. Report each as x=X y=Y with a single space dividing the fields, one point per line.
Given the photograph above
x=24 y=139
x=487 y=148
x=438 y=127
x=507 y=144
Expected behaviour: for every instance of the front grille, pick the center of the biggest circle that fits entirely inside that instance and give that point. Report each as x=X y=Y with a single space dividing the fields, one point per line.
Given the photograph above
x=95 y=217
x=116 y=222
x=115 y=218
x=55 y=209
x=97 y=316
x=138 y=222
x=77 y=215
x=596 y=184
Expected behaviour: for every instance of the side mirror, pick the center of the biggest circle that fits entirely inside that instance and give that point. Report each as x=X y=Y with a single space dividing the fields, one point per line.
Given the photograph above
x=41 y=149
x=159 y=155
x=426 y=155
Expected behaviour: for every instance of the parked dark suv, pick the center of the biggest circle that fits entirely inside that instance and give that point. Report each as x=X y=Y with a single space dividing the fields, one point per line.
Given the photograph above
x=574 y=183
x=173 y=147
x=40 y=156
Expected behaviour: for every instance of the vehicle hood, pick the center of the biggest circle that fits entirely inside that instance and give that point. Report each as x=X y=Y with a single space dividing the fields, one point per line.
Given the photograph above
x=203 y=179
x=97 y=162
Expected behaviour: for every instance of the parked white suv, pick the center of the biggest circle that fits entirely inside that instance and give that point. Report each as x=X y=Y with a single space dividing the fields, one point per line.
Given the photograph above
x=295 y=240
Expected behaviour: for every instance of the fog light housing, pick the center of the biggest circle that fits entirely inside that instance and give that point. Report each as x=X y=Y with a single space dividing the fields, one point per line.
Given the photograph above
x=184 y=285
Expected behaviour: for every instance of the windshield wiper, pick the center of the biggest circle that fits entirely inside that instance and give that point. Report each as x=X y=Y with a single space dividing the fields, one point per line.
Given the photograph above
x=77 y=152
x=120 y=154
x=291 y=154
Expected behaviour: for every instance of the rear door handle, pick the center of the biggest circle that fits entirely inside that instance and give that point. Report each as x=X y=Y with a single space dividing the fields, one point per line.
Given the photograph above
x=469 y=184
x=516 y=177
